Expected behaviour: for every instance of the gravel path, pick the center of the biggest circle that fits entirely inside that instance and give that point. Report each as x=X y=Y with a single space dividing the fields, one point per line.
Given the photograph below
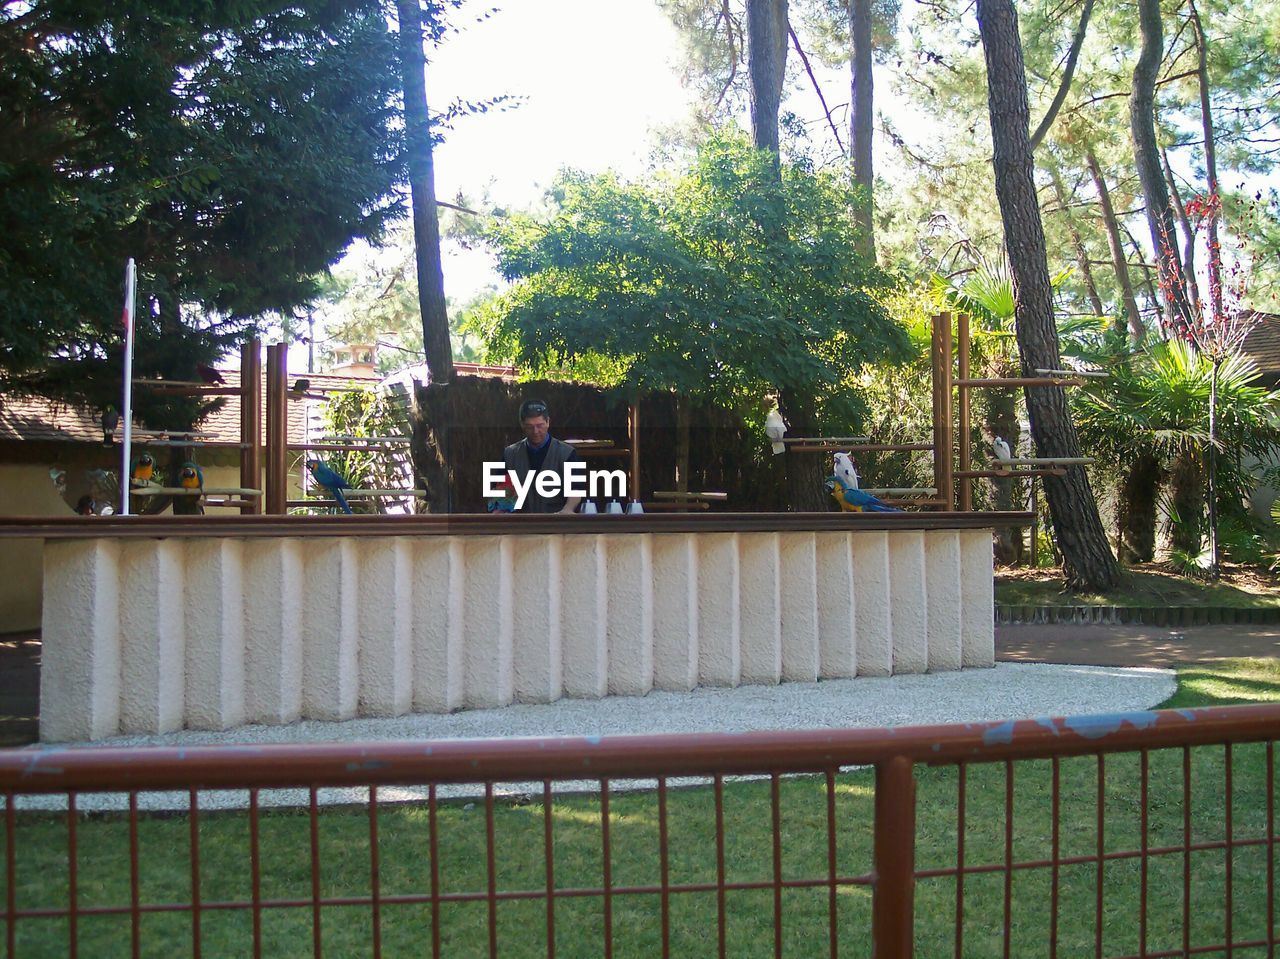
x=1009 y=691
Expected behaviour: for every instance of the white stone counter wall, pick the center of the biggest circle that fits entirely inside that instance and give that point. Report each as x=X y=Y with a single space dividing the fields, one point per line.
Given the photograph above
x=146 y=636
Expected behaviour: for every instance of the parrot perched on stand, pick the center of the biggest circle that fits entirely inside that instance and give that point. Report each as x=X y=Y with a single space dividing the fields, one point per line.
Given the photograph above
x=110 y=420
x=775 y=428
x=507 y=504
x=843 y=487
x=143 y=469
x=1001 y=449
x=331 y=481
x=190 y=476
x=209 y=375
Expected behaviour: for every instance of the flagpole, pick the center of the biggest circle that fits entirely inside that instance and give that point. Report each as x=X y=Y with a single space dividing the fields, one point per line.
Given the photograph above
x=130 y=289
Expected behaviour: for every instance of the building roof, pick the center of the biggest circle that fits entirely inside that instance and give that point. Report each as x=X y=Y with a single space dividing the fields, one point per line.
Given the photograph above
x=1262 y=345
x=37 y=419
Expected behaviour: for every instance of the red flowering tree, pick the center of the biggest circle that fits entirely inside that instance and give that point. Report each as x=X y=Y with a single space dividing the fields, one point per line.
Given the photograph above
x=1217 y=328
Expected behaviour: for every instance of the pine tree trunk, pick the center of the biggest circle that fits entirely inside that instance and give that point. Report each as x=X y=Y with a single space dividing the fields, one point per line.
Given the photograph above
x=767 y=66
x=1139 y=492
x=1189 y=235
x=767 y=61
x=861 y=121
x=683 y=423
x=1213 y=248
x=1118 y=259
x=422 y=184
x=1087 y=558
x=1077 y=244
x=805 y=471
x=1146 y=156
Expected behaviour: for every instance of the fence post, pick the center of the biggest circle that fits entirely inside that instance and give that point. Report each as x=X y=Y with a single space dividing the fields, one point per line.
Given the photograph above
x=893 y=905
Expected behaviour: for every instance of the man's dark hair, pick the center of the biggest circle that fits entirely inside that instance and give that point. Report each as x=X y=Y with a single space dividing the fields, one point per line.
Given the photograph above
x=533 y=408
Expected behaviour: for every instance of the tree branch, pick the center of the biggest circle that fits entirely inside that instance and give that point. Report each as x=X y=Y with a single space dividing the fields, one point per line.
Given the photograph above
x=1068 y=71
x=795 y=41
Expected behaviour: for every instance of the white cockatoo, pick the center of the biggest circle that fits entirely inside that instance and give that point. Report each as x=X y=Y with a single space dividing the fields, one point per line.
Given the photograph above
x=775 y=429
x=846 y=471
x=1001 y=448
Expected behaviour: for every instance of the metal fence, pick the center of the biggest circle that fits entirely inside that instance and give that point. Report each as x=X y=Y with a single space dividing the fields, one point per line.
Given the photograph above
x=1144 y=834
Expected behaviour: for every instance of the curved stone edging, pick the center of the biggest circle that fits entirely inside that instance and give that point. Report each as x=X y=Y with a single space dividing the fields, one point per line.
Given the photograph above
x=1134 y=615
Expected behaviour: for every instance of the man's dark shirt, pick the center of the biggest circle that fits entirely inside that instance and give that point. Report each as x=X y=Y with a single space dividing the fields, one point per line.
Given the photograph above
x=552 y=455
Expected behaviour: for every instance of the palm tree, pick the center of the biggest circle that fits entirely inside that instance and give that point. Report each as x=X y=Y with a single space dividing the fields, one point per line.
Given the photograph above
x=1150 y=420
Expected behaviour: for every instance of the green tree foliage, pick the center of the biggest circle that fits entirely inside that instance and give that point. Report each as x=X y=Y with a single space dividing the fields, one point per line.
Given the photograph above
x=1151 y=418
x=369 y=413
x=722 y=283
x=233 y=149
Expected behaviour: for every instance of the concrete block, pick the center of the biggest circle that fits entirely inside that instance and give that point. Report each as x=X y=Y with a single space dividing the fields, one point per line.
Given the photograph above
x=798 y=578
x=837 y=621
x=385 y=626
x=760 y=590
x=273 y=625
x=908 y=599
x=629 y=622
x=487 y=622
x=977 y=599
x=942 y=588
x=439 y=577
x=583 y=616
x=675 y=611
x=330 y=631
x=871 y=603
x=80 y=653
x=214 y=586
x=152 y=636
x=537 y=585
x=719 y=613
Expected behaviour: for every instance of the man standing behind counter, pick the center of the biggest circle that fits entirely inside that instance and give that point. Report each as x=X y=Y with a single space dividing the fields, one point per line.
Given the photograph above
x=539 y=450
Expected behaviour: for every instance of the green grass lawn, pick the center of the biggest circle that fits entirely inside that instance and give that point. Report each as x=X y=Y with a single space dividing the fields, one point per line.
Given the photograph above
x=403 y=848
x=1239 y=588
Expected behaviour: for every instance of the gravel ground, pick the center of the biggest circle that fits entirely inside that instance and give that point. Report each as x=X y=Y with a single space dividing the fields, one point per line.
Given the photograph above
x=1009 y=691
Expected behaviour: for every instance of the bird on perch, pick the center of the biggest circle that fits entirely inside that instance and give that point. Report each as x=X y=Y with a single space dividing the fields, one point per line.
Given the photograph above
x=110 y=420
x=507 y=503
x=1001 y=449
x=143 y=469
x=190 y=477
x=333 y=483
x=209 y=375
x=775 y=428
x=843 y=487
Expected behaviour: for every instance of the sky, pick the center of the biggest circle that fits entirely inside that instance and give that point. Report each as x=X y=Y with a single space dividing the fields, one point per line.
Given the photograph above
x=595 y=77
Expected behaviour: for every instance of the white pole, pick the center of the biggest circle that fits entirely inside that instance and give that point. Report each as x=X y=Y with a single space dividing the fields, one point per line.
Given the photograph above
x=130 y=288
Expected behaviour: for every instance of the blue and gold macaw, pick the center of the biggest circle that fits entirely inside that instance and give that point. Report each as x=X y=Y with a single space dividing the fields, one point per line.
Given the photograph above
x=143 y=469
x=191 y=477
x=843 y=487
x=331 y=481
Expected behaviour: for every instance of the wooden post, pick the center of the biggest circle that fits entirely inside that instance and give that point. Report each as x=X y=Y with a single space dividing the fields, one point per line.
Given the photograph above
x=962 y=397
x=942 y=424
x=633 y=431
x=251 y=423
x=277 y=429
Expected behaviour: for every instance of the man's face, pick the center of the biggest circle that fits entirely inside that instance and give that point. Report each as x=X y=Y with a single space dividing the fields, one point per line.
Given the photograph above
x=535 y=429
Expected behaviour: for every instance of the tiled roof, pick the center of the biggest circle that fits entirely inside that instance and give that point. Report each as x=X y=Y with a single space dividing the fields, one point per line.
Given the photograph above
x=35 y=419
x=1262 y=344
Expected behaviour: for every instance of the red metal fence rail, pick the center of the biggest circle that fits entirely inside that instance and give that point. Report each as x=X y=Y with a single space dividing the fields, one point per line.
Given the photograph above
x=945 y=874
